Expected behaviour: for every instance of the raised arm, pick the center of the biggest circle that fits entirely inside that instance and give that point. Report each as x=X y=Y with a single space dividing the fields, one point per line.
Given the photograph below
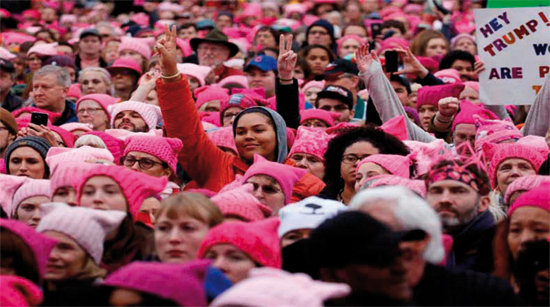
x=384 y=97
x=286 y=87
x=180 y=116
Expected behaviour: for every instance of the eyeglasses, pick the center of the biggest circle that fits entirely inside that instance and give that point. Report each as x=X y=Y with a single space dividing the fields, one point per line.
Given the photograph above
x=352 y=159
x=90 y=111
x=144 y=163
x=337 y=108
x=318 y=33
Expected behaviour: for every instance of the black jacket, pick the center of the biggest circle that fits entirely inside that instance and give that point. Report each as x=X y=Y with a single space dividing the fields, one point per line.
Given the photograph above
x=288 y=104
x=472 y=245
x=444 y=287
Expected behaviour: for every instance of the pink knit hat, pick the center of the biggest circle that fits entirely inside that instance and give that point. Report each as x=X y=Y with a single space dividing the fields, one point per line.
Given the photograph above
x=267 y=287
x=72 y=127
x=18 y=291
x=60 y=155
x=397 y=127
x=52 y=117
x=66 y=136
x=237 y=79
x=74 y=91
x=88 y=227
x=9 y=185
x=114 y=145
x=525 y=183
x=426 y=154
x=497 y=153
x=494 y=131
x=31 y=188
x=166 y=149
x=311 y=141
x=472 y=84
x=6 y=55
x=196 y=71
x=395 y=164
x=255 y=92
x=149 y=113
x=16 y=38
x=64 y=174
x=185 y=47
x=223 y=137
x=103 y=100
x=40 y=244
x=241 y=100
x=313 y=83
x=241 y=203
x=130 y=43
x=460 y=36
x=326 y=116
x=43 y=49
x=467 y=111
x=212 y=118
x=208 y=93
x=135 y=186
x=538 y=197
x=186 y=286
x=128 y=63
x=432 y=94
x=259 y=240
x=449 y=76
x=285 y=175
x=393 y=43
x=417 y=186
x=356 y=38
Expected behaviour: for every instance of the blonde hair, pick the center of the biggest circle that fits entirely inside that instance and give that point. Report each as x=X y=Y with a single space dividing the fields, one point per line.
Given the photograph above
x=193 y=205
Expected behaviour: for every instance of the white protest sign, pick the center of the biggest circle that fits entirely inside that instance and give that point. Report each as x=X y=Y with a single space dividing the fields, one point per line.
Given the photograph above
x=514 y=44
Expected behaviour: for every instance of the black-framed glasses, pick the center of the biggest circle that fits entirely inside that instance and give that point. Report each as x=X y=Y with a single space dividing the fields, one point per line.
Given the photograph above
x=352 y=159
x=144 y=163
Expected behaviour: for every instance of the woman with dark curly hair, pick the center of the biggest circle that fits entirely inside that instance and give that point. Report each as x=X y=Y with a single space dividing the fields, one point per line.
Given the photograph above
x=346 y=150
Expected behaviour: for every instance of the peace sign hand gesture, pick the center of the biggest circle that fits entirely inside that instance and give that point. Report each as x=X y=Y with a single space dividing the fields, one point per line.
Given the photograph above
x=287 y=58
x=166 y=49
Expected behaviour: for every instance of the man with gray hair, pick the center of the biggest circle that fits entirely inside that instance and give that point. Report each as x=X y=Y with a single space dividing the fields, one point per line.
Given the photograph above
x=403 y=210
x=49 y=92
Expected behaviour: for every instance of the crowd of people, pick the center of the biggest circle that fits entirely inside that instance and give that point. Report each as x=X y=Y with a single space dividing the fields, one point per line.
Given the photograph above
x=264 y=153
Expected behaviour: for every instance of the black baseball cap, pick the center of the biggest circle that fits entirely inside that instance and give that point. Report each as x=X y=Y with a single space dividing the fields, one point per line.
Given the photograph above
x=337 y=92
x=355 y=237
x=6 y=66
x=89 y=32
x=341 y=66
